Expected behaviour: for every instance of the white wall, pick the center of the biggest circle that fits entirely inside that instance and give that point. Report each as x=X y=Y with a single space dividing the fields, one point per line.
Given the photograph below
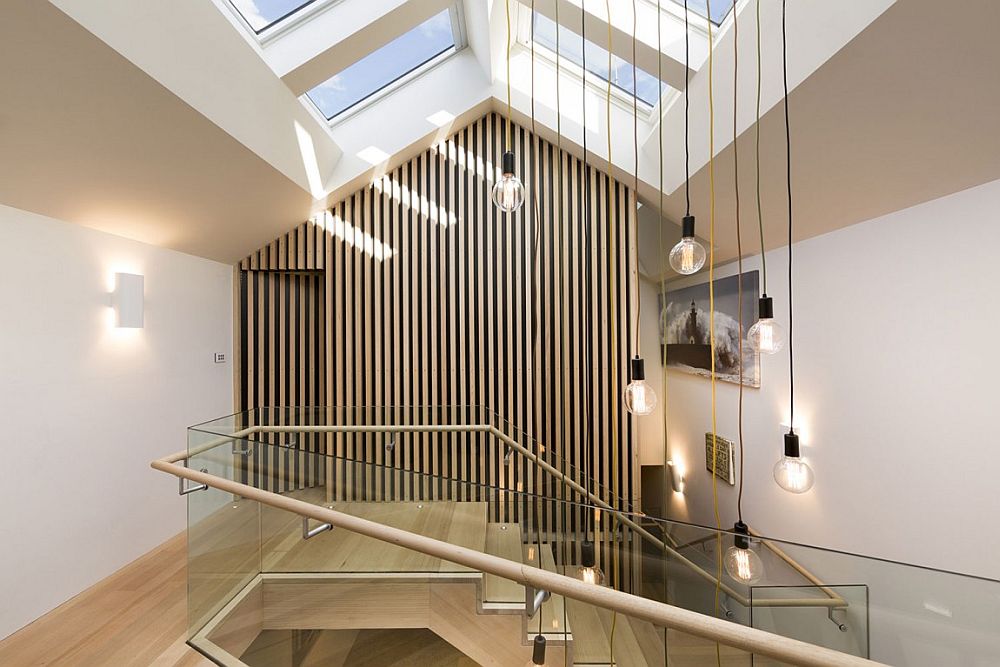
x=88 y=406
x=896 y=389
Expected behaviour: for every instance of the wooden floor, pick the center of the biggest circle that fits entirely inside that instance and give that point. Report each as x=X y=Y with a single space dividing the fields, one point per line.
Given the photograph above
x=137 y=616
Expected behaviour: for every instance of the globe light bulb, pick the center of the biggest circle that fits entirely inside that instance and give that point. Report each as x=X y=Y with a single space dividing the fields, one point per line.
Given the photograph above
x=766 y=335
x=538 y=651
x=508 y=192
x=589 y=572
x=743 y=564
x=688 y=256
x=791 y=472
x=640 y=399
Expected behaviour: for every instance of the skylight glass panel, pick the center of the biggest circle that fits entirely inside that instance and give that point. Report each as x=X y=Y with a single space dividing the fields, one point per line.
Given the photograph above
x=262 y=14
x=720 y=8
x=385 y=66
x=597 y=61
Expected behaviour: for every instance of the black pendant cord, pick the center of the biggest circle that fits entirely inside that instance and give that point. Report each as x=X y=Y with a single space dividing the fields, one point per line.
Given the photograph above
x=687 y=106
x=760 y=216
x=788 y=176
x=535 y=231
x=588 y=419
x=635 y=188
x=739 y=252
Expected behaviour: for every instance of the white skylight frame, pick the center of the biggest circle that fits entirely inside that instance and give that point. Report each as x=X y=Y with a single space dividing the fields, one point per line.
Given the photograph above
x=457 y=16
x=597 y=83
x=289 y=22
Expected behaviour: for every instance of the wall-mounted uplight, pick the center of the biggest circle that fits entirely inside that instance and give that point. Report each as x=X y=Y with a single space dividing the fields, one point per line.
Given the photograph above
x=676 y=477
x=127 y=301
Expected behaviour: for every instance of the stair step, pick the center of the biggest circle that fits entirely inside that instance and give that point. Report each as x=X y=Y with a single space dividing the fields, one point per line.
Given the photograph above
x=503 y=540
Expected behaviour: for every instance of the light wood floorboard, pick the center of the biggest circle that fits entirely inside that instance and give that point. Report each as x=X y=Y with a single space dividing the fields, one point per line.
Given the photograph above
x=137 y=616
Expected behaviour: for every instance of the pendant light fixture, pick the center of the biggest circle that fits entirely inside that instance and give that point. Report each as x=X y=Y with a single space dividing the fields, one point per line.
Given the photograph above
x=790 y=472
x=740 y=562
x=640 y=399
x=688 y=256
x=508 y=192
x=538 y=651
x=589 y=572
x=766 y=335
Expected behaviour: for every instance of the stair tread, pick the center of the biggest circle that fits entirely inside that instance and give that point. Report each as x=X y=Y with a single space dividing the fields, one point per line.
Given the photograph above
x=503 y=540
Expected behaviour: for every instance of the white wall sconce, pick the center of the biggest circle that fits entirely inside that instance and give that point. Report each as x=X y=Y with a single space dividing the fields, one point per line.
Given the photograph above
x=127 y=301
x=676 y=477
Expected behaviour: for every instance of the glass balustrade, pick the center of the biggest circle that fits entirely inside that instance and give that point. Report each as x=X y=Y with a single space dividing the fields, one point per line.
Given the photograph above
x=256 y=569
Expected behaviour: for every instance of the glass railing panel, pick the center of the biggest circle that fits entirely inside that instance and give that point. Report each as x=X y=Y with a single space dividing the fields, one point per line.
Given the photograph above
x=223 y=535
x=843 y=629
x=947 y=615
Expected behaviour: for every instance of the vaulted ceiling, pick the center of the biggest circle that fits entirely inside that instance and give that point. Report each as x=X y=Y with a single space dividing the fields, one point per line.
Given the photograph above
x=203 y=125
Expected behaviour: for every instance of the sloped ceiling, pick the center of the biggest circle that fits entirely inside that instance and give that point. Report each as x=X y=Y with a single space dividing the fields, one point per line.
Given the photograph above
x=132 y=139
x=88 y=137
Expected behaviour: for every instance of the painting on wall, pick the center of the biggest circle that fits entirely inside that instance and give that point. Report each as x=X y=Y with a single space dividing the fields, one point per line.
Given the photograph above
x=684 y=329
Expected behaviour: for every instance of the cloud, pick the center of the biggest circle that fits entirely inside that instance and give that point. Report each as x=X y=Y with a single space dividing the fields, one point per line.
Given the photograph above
x=437 y=26
x=334 y=84
x=250 y=11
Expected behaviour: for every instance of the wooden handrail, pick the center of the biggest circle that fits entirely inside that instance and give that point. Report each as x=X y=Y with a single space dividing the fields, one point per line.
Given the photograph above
x=713 y=629
x=833 y=600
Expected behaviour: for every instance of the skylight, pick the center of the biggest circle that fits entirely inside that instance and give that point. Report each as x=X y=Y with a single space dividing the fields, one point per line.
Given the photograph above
x=383 y=67
x=262 y=14
x=720 y=8
x=597 y=60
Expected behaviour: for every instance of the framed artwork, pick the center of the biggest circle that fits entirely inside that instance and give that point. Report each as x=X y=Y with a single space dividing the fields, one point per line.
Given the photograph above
x=684 y=329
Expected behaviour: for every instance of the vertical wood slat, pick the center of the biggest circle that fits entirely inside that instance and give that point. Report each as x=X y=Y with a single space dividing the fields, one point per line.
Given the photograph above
x=460 y=312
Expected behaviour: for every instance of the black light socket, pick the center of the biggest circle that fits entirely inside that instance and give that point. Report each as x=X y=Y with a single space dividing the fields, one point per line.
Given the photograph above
x=638 y=368
x=765 y=308
x=742 y=537
x=587 y=553
x=792 y=445
x=507 y=163
x=687 y=226
x=538 y=650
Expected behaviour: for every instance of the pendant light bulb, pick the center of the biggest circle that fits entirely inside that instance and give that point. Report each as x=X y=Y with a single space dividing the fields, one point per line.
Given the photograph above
x=791 y=472
x=766 y=335
x=538 y=651
x=640 y=399
x=742 y=563
x=508 y=192
x=589 y=572
x=688 y=256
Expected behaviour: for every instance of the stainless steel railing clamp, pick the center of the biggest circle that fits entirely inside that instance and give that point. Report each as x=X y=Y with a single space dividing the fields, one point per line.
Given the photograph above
x=182 y=491
x=309 y=533
x=533 y=600
x=724 y=606
x=238 y=451
x=840 y=626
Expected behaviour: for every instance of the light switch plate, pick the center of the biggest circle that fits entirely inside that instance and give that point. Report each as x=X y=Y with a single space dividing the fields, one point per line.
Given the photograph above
x=220 y=357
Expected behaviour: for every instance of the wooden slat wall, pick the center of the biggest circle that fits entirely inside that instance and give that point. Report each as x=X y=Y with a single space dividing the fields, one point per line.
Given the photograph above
x=281 y=355
x=430 y=296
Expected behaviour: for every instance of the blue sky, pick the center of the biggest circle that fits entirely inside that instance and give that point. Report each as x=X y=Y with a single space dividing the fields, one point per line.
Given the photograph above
x=385 y=65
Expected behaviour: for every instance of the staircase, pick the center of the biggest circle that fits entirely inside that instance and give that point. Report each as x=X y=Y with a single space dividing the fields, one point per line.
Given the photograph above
x=343 y=581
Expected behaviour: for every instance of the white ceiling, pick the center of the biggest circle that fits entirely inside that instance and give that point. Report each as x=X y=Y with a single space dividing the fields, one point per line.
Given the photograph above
x=172 y=123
